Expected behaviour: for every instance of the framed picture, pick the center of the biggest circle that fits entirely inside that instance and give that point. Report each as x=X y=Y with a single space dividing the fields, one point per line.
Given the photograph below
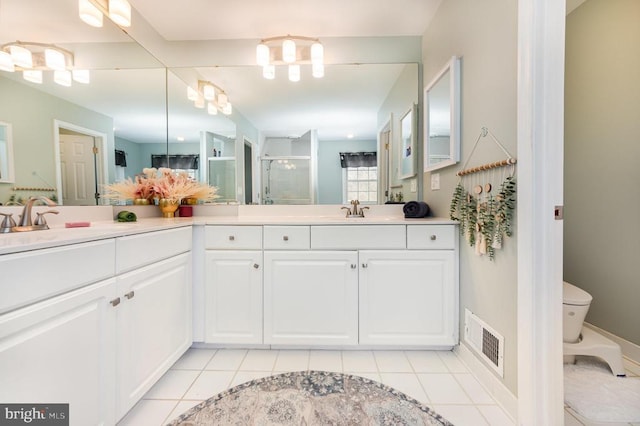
x=408 y=137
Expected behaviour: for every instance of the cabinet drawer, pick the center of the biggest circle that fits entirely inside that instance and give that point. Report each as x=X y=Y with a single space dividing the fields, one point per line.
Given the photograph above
x=233 y=237
x=431 y=236
x=35 y=275
x=138 y=250
x=358 y=237
x=286 y=237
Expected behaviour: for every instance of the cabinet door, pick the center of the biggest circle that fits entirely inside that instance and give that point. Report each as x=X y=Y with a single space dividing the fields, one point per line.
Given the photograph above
x=153 y=325
x=408 y=298
x=62 y=350
x=233 y=297
x=311 y=297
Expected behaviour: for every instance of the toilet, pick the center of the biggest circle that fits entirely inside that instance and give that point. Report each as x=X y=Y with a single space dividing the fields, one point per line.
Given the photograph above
x=579 y=340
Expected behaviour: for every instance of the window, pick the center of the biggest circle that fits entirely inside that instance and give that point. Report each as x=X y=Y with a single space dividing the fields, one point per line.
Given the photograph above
x=360 y=183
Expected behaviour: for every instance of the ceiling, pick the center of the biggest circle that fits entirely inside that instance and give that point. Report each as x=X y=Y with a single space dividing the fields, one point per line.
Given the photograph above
x=335 y=105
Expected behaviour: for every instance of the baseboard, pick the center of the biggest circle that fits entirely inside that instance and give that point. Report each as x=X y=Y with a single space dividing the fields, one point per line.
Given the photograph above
x=629 y=350
x=494 y=386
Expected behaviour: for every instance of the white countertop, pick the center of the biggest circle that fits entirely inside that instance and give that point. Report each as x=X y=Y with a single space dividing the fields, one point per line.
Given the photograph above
x=100 y=228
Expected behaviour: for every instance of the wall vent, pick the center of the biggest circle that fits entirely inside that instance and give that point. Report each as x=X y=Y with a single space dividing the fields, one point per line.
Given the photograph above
x=485 y=341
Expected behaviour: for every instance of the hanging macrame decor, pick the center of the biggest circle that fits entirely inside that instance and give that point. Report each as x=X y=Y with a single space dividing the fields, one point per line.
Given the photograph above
x=485 y=215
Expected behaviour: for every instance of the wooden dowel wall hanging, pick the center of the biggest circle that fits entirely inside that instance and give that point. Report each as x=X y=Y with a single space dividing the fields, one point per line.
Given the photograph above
x=485 y=215
x=35 y=189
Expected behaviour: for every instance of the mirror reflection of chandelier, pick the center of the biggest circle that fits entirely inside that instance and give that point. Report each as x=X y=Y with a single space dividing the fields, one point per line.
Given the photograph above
x=211 y=95
x=292 y=51
x=33 y=58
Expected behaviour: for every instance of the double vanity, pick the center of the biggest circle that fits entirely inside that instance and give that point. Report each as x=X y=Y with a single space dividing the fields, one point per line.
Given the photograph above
x=95 y=316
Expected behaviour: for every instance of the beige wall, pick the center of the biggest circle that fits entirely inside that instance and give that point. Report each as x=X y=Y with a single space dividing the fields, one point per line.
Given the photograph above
x=602 y=155
x=484 y=35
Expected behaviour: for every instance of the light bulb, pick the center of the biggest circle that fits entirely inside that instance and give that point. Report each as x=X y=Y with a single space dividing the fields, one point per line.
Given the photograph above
x=269 y=71
x=89 y=13
x=54 y=59
x=63 y=78
x=294 y=72
x=317 y=70
x=6 y=63
x=209 y=92
x=34 y=76
x=262 y=54
x=21 y=56
x=222 y=100
x=289 y=51
x=81 y=76
x=120 y=12
x=228 y=109
x=317 y=53
x=211 y=108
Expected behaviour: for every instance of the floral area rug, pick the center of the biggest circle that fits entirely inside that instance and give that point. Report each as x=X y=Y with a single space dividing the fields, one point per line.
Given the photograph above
x=310 y=398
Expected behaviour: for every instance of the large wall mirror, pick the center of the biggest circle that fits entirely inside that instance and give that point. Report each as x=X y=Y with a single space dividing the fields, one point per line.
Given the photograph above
x=442 y=118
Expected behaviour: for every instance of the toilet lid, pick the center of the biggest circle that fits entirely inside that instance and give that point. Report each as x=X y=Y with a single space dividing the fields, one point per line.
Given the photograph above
x=572 y=295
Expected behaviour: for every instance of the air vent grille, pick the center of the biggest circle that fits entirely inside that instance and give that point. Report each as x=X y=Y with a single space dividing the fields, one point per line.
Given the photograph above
x=485 y=341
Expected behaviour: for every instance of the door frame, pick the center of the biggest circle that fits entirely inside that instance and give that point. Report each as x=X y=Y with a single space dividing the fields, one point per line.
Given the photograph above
x=102 y=166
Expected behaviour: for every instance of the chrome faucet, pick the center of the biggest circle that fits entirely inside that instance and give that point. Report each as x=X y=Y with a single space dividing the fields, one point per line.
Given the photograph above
x=26 y=223
x=354 y=211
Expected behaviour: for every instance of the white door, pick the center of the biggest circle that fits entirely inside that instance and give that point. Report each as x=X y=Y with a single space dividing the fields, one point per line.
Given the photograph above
x=62 y=350
x=78 y=170
x=311 y=297
x=233 y=297
x=153 y=326
x=408 y=298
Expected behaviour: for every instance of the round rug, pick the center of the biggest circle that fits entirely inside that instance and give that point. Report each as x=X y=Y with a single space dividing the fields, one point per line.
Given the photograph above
x=310 y=398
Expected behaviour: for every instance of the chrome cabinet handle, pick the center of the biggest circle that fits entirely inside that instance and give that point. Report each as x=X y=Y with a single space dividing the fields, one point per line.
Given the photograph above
x=285 y=238
x=433 y=238
x=115 y=302
x=364 y=265
x=232 y=238
x=129 y=295
x=256 y=266
x=354 y=266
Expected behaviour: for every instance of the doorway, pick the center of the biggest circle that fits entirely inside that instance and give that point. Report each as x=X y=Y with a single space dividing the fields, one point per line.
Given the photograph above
x=384 y=163
x=248 y=172
x=80 y=167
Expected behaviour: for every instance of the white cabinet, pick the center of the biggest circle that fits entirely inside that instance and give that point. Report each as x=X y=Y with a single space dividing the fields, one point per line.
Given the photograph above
x=233 y=296
x=62 y=350
x=311 y=297
x=408 y=297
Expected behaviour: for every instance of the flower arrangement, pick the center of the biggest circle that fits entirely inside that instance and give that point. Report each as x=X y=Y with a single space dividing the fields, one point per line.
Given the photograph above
x=160 y=183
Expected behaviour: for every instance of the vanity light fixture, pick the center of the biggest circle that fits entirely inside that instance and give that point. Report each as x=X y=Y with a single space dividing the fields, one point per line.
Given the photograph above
x=33 y=58
x=210 y=95
x=291 y=51
x=92 y=11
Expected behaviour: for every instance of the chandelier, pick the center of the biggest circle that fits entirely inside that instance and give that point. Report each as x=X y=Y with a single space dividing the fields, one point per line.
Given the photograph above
x=92 y=12
x=291 y=51
x=211 y=95
x=33 y=58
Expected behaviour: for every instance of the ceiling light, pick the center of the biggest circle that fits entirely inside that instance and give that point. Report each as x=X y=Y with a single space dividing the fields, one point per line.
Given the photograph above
x=6 y=63
x=120 y=12
x=192 y=94
x=223 y=100
x=290 y=50
x=227 y=109
x=89 y=13
x=62 y=77
x=81 y=76
x=21 y=56
x=180 y=138
x=294 y=72
x=209 y=92
x=54 y=59
x=34 y=76
x=212 y=109
x=199 y=103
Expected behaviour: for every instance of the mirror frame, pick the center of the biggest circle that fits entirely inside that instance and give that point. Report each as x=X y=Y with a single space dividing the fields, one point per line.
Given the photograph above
x=453 y=68
x=6 y=155
x=408 y=144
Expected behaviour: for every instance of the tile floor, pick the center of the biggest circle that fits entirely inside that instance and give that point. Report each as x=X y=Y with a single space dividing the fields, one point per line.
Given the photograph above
x=437 y=378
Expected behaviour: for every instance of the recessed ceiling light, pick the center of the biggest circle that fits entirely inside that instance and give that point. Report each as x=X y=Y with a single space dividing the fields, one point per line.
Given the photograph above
x=350 y=136
x=180 y=138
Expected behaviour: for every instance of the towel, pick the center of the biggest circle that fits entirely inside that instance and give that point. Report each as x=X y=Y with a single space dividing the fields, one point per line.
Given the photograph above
x=415 y=209
x=126 y=216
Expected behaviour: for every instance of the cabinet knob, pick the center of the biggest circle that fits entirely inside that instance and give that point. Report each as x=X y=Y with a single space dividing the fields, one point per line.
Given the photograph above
x=285 y=238
x=364 y=265
x=354 y=266
x=115 y=302
x=232 y=238
x=129 y=295
x=256 y=266
x=433 y=238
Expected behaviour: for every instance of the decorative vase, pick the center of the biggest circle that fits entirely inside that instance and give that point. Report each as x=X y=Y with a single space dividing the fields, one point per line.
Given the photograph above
x=141 y=202
x=168 y=206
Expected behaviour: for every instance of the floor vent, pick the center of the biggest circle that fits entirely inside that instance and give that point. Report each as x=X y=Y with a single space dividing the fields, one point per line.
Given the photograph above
x=485 y=341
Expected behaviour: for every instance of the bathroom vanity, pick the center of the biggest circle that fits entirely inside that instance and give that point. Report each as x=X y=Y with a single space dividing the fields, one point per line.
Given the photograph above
x=101 y=313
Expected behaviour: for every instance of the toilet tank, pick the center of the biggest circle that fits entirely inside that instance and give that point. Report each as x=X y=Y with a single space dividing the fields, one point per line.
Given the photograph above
x=575 y=305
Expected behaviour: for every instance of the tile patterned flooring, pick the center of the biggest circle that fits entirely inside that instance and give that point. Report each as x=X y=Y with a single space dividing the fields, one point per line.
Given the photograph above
x=437 y=378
